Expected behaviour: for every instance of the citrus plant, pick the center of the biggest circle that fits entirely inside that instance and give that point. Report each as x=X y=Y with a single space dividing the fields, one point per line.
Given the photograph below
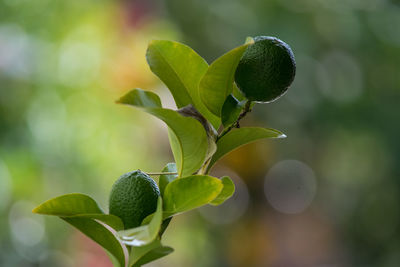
x=203 y=129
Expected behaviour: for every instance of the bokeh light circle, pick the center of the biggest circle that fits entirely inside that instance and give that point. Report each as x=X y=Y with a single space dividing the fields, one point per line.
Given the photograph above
x=341 y=77
x=290 y=186
x=27 y=229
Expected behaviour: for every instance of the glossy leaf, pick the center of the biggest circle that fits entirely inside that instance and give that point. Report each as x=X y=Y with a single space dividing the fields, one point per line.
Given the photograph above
x=142 y=98
x=177 y=150
x=231 y=110
x=154 y=254
x=68 y=205
x=82 y=212
x=138 y=252
x=217 y=83
x=239 y=137
x=164 y=226
x=167 y=178
x=77 y=205
x=237 y=94
x=109 y=219
x=101 y=234
x=145 y=234
x=226 y=192
x=189 y=193
x=190 y=111
x=181 y=69
x=148 y=253
x=189 y=141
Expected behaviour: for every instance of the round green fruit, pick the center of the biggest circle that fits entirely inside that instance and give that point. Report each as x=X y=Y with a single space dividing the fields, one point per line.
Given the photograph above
x=133 y=197
x=266 y=69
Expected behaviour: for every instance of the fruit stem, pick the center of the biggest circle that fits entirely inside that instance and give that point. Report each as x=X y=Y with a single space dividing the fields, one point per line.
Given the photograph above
x=161 y=173
x=246 y=109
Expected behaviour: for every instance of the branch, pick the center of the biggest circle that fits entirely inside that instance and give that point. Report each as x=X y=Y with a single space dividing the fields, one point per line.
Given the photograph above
x=247 y=109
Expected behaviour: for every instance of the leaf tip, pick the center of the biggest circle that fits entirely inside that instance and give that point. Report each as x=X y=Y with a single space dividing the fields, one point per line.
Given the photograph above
x=121 y=99
x=281 y=136
x=36 y=210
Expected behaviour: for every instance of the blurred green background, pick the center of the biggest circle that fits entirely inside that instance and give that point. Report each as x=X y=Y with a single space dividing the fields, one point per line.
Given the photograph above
x=328 y=195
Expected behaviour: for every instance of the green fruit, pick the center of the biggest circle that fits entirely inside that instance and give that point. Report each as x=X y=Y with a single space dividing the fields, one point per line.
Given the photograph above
x=266 y=69
x=133 y=197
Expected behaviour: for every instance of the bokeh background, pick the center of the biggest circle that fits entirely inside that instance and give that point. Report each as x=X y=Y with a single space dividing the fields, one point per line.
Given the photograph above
x=328 y=195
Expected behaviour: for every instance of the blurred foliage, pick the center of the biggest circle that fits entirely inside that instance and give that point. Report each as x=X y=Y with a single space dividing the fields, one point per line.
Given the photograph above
x=64 y=63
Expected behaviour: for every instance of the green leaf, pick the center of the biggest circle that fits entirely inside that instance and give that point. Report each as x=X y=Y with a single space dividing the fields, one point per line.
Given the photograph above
x=142 y=98
x=181 y=69
x=189 y=193
x=239 y=137
x=109 y=219
x=82 y=212
x=217 y=83
x=138 y=252
x=231 y=110
x=77 y=205
x=190 y=111
x=154 y=254
x=227 y=191
x=148 y=253
x=189 y=141
x=167 y=178
x=145 y=234
x=69 y=205
x=237 y=94
x=100 y=234
x=177 y=150
x=164 y=226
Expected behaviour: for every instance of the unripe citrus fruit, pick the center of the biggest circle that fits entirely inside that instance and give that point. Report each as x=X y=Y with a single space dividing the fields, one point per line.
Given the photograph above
x=133 y=197
x=266 y=69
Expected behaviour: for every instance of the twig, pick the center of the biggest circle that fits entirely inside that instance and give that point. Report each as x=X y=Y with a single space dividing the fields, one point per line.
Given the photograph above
x=236 y=124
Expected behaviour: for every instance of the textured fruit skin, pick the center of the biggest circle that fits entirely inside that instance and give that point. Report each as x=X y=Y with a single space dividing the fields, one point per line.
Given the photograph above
x=266 y=69
x=133 y=197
